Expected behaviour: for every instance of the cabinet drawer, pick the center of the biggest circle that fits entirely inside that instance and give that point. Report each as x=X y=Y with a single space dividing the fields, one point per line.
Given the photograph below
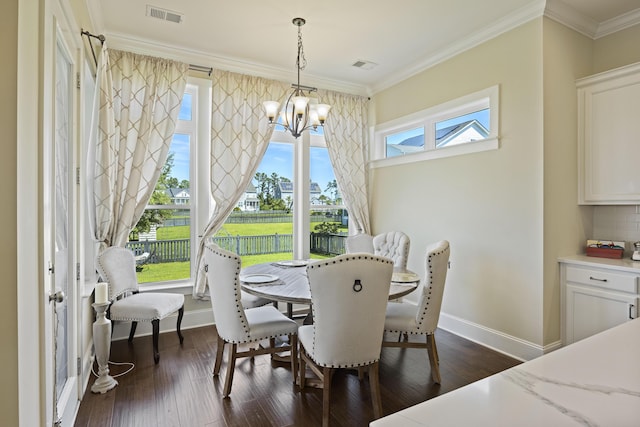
x=603 y=278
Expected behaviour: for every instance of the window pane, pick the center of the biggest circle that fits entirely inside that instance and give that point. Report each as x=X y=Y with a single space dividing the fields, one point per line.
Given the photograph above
x=328 y=220
x=180 y=156
x=261 y=227
x=466 y=128
x=163 y=248
x=405 y=142
x=185 y=107
x=161 y=240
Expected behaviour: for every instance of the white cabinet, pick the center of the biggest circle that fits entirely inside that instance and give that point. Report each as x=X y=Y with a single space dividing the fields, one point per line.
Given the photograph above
x=608 y=137
x=597 y=296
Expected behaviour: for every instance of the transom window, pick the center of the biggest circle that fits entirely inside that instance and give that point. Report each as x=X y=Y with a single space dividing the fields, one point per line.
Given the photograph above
x=464 y=125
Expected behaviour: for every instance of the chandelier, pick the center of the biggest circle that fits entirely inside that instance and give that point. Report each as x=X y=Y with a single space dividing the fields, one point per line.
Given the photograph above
x=301 y=111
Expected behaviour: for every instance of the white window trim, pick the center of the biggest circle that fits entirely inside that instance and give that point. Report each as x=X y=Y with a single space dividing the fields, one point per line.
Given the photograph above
x=428 y=118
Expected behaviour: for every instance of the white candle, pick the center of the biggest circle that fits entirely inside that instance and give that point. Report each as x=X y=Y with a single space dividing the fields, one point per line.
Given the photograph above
x=102 y=293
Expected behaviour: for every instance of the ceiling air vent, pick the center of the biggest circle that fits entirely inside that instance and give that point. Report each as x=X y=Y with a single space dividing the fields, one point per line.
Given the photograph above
x=164 y=14
x=365 y=65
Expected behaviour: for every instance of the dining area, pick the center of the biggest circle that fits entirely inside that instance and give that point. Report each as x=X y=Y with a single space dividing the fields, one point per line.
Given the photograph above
x=353 y=306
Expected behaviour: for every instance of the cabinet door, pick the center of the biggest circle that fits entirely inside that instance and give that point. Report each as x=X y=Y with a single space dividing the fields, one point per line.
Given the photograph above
x=591 y=310
x=607 y=133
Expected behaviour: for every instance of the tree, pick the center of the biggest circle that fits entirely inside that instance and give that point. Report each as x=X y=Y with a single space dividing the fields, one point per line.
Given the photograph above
x=326 y=228
x=159 y=197
x=332 y=188
x=172 y=182
x=267 y=190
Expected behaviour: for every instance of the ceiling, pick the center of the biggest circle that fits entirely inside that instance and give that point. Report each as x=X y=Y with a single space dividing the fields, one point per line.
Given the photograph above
x=401 y=37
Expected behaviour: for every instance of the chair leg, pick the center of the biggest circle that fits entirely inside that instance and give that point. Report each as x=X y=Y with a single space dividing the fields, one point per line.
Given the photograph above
x=293 y=341
x=231 y=366
x=180 y=314
x=432 y=349
x=219 y=353
x=374 y=382
x=302 y=369
x=327 y=374
x=132 y=332
x=156 y=331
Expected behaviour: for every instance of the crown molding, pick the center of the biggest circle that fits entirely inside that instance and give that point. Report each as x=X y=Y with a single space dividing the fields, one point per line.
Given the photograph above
x=177 y=53
x=501 y=26
x=618 y=23
x=569 y=17
x=572 y=18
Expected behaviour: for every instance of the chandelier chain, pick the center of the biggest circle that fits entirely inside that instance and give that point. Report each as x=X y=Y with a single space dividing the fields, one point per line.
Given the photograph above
x=301 y=61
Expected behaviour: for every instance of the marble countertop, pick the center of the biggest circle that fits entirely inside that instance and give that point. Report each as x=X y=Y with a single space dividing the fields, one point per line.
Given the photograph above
x=622 y=264
x=593 y=382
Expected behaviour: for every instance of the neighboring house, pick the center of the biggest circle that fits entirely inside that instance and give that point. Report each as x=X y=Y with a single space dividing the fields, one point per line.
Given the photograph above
x=249 y=201
x=285 y=190
x=179 y=196
x=468 y=131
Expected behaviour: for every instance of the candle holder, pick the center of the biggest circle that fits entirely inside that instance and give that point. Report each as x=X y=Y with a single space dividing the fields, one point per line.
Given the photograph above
x=102 y=345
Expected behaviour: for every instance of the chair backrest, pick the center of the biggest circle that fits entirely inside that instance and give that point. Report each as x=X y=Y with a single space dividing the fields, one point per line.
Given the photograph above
x=432 y=289
x=394 y=245
x=359 y=243
x=223 y=270
x=117 y=266
x=349 y=295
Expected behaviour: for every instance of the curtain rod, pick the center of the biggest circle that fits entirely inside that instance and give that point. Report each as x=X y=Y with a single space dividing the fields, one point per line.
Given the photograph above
x=102 y=38
x=201 y=68
x=89 y=35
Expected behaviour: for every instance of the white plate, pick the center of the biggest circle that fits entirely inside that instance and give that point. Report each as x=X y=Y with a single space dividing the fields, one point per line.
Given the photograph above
x=258 y=278
x=405 y=277
x=293 y=263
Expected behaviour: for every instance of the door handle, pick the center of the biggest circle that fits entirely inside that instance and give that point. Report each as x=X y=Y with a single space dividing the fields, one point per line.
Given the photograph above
x=58 y=297
x=630 y=308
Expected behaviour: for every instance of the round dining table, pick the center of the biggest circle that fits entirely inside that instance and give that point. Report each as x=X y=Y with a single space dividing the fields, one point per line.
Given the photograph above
x=287 y=281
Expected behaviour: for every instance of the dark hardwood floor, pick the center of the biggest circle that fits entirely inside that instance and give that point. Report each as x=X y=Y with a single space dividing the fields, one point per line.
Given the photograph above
x=181 y=391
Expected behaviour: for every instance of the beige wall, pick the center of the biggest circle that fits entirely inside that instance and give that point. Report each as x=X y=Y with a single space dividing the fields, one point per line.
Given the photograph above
x=488 y=205
x=509 y=214
x=616 y=50
x=8 y=217
x=567 y=56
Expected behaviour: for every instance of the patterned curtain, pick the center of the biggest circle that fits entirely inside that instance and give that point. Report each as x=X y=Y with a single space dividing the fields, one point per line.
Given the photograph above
x=347 y=136
x=240 y=135
x=138 y=105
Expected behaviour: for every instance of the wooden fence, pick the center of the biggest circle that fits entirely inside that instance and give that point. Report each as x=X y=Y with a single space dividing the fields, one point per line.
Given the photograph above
x=162 y=251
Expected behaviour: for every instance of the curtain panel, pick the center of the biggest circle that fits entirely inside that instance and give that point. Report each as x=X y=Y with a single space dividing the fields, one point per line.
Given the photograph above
x=240 y=135
x=139 y=100
x=347 y=136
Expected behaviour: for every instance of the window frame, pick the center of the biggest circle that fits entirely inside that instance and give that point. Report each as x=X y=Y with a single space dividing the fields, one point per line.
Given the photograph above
x=302 y=173
x=192 y=128
x=427 y=118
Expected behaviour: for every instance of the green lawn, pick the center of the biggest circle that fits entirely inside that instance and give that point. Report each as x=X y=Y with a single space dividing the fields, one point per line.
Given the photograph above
x=181 y=270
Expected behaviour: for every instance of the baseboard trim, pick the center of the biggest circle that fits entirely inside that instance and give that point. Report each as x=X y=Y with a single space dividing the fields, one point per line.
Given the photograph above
x=499 y=341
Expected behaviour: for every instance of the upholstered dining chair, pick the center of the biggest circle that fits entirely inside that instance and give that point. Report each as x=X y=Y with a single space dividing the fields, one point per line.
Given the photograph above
x=349 y=294
x=422 y=319
x=361 y=242
x=117 y=266
x=394 y=245
x=237 y=325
